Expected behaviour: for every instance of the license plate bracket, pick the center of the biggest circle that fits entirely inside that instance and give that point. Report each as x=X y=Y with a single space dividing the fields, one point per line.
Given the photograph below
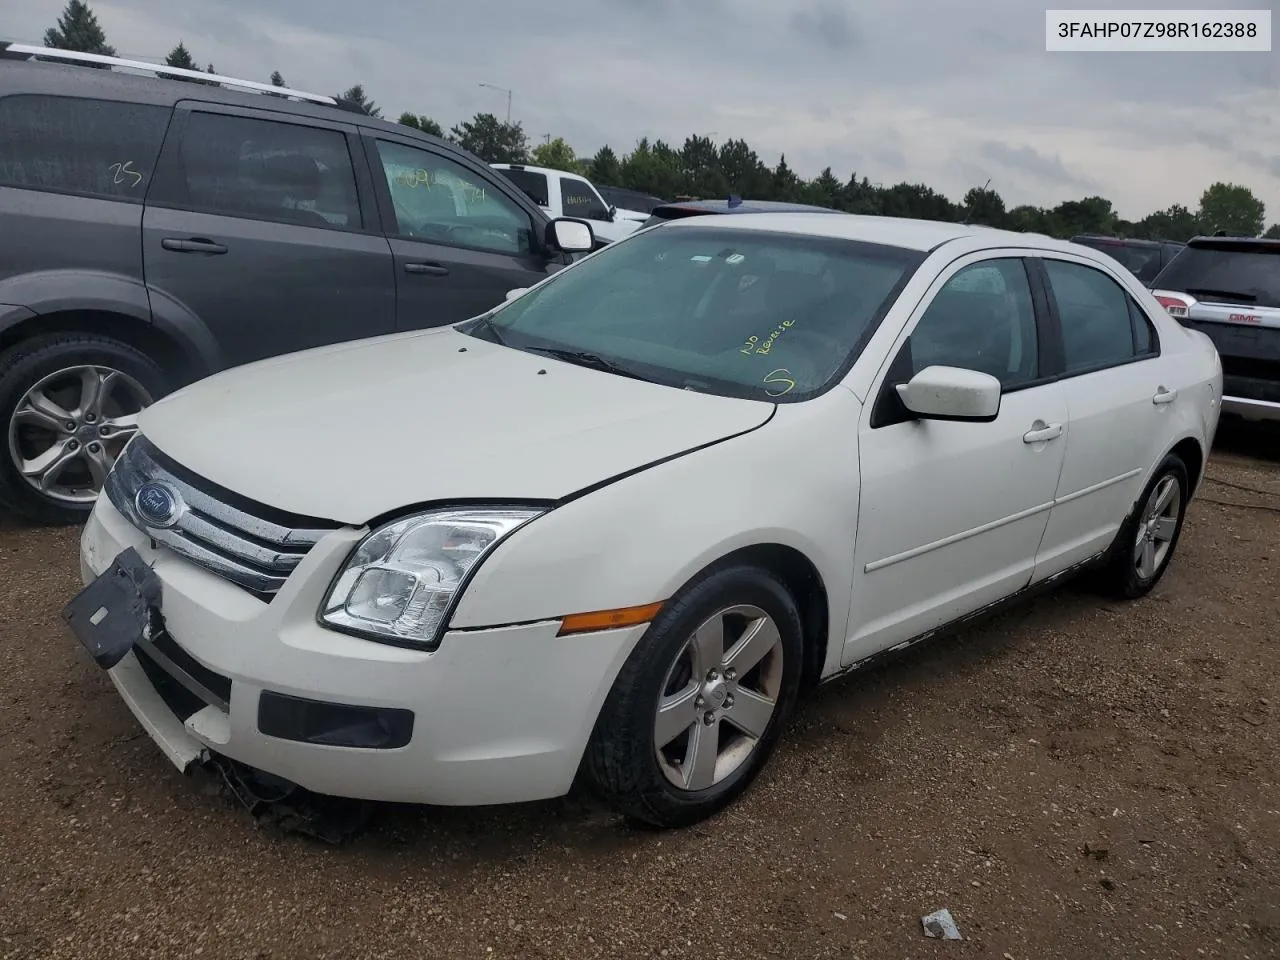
x=116 y=610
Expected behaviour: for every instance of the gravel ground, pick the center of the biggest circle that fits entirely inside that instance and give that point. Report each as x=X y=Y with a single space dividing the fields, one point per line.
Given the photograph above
x=1075 y=779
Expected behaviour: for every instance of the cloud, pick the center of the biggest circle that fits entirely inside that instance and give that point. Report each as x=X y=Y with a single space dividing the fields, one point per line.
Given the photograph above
x=827 y=25
x=1021 y=158
x=931 y=91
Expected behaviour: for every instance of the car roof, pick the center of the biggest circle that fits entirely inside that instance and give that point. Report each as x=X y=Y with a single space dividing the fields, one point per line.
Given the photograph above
x=65 y=79
x=903 y=232
x=1234 y=243
x=532 y=169
x=1109 y=240
x=745 y=206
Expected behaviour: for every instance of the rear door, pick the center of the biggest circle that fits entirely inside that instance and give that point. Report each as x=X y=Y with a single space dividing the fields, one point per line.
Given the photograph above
x=1118 y=401
x=255 y=225
x=73 y=176
x=459 y=236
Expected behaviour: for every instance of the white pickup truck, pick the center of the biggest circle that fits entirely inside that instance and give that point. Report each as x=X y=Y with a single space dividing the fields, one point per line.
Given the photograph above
x=563 y=194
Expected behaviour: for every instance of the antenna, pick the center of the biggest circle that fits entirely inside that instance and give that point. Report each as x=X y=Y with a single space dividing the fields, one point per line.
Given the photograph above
x=969 y=213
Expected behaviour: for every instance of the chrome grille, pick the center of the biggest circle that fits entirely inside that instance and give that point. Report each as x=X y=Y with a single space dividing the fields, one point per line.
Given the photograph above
x=252 y=546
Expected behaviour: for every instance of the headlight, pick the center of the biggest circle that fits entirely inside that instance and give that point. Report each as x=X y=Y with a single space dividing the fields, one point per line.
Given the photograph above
x=400 y=583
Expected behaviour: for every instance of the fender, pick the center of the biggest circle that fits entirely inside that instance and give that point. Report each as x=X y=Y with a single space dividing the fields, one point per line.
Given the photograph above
x=58 y=291
x=11 y=316
x=47 y=292
x=640 y=538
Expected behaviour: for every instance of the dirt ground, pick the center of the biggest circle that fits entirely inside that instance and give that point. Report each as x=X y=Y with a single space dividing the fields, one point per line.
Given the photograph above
x=1076 y=779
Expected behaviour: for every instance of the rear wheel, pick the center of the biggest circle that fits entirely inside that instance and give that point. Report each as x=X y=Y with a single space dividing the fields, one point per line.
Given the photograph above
x=700 y=704
x=69 y=403
x=1145 y=544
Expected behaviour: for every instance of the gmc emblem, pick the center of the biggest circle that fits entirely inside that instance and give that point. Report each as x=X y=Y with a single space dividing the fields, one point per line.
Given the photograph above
x=1244 y=318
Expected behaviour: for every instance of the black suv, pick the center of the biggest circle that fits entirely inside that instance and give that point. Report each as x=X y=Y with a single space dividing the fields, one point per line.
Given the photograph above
x=1143 y=258
x=1229 y=288
x=155 y=230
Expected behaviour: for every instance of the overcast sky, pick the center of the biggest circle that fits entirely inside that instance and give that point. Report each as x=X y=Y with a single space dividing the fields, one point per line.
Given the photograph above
x=932 y=91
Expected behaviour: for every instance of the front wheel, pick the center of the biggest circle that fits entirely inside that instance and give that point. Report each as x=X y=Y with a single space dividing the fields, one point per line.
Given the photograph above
x=69 y=403
x=700 y=703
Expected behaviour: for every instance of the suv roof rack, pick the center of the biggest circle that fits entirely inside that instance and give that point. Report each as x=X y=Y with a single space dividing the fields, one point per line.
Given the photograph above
x=24 y=51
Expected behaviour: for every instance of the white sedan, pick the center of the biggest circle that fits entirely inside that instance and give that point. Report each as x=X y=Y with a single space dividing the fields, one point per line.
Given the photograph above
x=616 y=525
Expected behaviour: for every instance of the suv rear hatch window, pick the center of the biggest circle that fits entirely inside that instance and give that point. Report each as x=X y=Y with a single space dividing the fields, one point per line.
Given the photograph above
x=1247 y=274
x=534 y=184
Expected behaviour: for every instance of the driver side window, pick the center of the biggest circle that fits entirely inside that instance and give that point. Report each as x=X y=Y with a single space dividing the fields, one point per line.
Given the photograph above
x=437 y=200
x=982 y=319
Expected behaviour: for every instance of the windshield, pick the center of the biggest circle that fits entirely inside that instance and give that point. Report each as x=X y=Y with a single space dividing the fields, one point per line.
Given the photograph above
x=745 y=313
x=1246 y=274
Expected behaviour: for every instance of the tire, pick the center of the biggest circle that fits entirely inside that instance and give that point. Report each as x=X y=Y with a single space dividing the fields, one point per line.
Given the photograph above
x=1123 y=576
x=623 y=759
x=62 y=366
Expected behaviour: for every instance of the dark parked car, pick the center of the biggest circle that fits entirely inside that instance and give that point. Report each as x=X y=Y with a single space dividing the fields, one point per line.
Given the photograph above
x=153 y=231
x=700 y=208
x=1229 y=288
x=625 y=199
x=1143 y=258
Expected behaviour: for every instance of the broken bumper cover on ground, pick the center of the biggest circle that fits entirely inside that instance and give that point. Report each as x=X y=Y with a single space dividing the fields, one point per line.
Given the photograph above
x=496 y=715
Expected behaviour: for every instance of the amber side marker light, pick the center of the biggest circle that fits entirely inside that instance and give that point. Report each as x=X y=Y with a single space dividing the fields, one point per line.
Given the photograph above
x=608 y=619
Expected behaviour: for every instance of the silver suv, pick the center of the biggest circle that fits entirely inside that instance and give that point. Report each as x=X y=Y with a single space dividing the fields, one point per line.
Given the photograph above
x=158 y=228
x=1229 y=288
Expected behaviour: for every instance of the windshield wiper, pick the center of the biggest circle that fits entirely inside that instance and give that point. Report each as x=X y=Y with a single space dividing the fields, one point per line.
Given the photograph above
x=1200 y=293
x=486 y=321
x=583 y=358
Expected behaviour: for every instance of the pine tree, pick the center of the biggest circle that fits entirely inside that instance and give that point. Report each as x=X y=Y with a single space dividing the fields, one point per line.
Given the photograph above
x=276 y=79
x=78 y=30
x=180 y=57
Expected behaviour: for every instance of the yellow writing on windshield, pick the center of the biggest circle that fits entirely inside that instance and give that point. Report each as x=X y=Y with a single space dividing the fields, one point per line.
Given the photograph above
x=781 y=379
x=754 y=345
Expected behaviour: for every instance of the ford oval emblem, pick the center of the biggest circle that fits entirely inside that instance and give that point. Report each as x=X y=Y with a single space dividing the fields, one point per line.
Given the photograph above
x=158 y=504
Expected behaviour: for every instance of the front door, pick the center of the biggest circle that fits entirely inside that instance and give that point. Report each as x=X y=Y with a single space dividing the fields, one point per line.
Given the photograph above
x=951 y=513
x=254 y=225
x=459 y=242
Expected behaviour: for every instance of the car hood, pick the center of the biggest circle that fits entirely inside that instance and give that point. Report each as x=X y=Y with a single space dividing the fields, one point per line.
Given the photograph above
x=356 y=430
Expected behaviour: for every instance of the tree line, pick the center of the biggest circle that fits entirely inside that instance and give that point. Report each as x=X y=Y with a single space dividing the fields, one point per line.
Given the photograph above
x=702 y=168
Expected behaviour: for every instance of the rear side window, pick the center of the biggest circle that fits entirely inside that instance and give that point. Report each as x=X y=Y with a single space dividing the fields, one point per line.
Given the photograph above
x=1097 y=326
x=533 y=184
x=96 y=148
x=266 y=170
x=1231 y=273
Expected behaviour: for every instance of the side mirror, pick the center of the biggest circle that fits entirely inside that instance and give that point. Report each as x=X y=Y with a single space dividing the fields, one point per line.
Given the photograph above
x=512 y=294
x=952 y=393
x=570 y=236
x=613 y=213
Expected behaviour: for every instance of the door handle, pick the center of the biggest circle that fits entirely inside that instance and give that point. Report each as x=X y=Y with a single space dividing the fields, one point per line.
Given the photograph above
x=1041 y=431
x=1164 y=396
x=192 y=245
x=434 y=269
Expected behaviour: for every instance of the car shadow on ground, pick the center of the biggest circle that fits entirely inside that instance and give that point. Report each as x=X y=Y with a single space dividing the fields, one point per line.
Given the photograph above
x=1241 y=438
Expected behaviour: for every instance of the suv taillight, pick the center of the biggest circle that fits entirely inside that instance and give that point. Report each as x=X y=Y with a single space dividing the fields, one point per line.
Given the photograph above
x=1175 y=305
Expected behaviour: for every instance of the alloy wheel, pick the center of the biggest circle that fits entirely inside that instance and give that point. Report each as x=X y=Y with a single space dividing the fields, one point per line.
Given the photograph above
x=67 y=430
x=1157 y=527
x=718 y=697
